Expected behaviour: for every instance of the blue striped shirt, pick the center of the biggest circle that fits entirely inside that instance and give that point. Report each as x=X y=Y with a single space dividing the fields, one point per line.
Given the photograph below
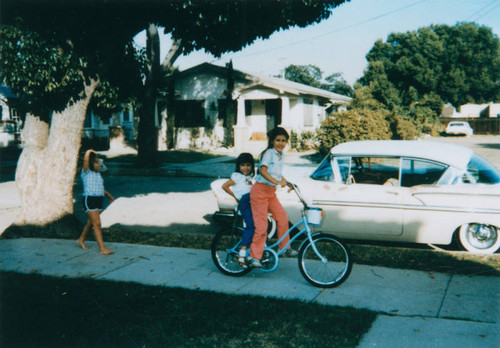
x=93 y=184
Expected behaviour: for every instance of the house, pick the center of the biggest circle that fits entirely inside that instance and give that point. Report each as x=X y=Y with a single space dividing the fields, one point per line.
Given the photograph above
x=11 y=117
x=260 y=103
x=483 y=118
x=9 y=106
x=105 y=132
x=488 y=110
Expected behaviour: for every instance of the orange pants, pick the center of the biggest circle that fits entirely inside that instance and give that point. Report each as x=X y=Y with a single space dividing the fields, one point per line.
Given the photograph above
x=263 y=200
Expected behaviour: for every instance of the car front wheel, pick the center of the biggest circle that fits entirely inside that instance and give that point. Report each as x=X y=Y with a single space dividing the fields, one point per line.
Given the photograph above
x=479 y=238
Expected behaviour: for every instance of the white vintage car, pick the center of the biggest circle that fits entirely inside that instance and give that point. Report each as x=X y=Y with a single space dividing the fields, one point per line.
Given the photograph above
x=404 y=191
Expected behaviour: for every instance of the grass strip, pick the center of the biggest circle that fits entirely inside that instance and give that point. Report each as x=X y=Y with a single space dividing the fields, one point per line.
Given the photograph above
x=43 y=311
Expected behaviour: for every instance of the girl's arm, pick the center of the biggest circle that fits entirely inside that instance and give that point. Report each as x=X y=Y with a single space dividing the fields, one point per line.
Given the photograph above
x=85 y=166
x=111 y=198
x=226 y=187
x=268 y=177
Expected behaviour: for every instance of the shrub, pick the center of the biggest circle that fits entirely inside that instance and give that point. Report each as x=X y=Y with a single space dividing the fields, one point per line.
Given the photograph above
x=402 y=128
x=307 y=141
x=357 y=124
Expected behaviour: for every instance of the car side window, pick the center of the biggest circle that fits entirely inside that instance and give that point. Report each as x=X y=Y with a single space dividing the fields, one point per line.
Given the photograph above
x=418 y=172
x=324 y=171
x=376 y=170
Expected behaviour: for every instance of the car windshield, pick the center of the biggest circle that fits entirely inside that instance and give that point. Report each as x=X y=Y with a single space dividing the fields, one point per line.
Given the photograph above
x=324 y=171
x=480 y=171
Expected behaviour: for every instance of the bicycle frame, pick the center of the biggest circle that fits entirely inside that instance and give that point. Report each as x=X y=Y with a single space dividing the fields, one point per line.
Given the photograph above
x=306 y=229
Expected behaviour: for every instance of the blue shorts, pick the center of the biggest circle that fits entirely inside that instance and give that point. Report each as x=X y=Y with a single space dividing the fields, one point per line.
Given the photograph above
x=92 y=203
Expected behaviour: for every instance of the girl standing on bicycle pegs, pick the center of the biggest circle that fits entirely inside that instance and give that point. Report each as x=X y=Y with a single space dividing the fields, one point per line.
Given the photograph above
x=239 y=187
x=263 y=196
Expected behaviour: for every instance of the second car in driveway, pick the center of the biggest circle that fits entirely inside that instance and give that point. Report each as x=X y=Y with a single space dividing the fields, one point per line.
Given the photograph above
x=459 y=128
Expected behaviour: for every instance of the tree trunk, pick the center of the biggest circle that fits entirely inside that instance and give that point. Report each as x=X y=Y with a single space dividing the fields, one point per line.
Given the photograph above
x=147 y=138
x=47 y=166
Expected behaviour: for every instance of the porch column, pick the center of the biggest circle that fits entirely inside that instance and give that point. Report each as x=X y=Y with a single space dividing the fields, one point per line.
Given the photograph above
x=241 y=128
x=285 y=113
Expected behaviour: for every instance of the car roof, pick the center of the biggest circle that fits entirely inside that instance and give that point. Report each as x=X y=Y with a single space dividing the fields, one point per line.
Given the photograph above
x=450 y=154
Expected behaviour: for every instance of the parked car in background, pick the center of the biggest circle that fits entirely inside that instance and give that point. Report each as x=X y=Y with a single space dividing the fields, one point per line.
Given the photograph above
x=459 y=128
x=404 y=191
x=8 y=135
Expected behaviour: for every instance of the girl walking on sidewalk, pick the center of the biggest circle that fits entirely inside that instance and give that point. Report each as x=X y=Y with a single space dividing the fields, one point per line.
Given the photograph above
x=93 y=196
x=263 y=196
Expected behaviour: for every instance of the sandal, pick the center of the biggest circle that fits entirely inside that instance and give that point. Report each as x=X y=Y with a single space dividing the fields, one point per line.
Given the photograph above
x=242 y=261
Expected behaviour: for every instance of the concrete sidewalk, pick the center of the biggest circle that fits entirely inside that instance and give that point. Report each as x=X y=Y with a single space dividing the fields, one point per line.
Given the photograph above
x=417 y=309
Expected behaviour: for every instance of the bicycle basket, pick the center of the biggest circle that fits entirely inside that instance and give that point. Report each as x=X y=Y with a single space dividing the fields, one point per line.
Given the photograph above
x=314 y=216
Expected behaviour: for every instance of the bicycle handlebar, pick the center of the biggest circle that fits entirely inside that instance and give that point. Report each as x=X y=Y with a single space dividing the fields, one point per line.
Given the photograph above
x=297 y=192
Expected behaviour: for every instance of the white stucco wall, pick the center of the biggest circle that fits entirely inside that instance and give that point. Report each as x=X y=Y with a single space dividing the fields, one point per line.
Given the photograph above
x=494 y=110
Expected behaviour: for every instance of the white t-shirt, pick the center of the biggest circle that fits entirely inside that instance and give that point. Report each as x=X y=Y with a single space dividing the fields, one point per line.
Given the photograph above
x=242 y=184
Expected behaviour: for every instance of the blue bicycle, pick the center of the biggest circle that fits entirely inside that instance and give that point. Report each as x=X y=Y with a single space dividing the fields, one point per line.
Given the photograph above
x=324 y=260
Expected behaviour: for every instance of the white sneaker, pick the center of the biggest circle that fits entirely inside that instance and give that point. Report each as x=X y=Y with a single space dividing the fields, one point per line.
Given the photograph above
x=291 y=252
x=254 y=263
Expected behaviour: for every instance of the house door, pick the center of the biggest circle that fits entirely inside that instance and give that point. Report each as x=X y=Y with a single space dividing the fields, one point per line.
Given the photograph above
x=273 y=113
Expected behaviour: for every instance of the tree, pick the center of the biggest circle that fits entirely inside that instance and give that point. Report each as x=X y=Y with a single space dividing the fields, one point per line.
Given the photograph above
x=72 y=47
x=312 y=75
x=435 y=65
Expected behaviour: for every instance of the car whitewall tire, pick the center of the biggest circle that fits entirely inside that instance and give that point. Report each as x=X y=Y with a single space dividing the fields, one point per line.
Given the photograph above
x=479 y=238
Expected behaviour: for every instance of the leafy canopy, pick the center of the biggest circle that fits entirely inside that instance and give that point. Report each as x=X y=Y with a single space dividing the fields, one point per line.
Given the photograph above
x=63 y=42
x=312 y=75
x=451 y=64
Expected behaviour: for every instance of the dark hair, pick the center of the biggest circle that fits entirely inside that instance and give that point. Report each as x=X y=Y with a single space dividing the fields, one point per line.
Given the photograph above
x=271 y=135
x=245 y=157
x=92 y=159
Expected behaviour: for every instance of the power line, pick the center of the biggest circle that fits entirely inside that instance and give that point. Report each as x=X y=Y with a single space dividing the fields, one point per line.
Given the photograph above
x=480 y=10
x=487 y=13
x=329 y=33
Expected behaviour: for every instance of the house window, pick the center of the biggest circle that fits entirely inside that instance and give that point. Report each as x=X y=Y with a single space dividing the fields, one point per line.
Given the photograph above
x=248 y=107
x=126 y=115
x=189 y=113
x=308 y=115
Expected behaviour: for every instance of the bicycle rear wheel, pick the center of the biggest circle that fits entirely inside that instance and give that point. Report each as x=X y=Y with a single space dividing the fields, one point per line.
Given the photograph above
x=334 y=271
x=225 y=248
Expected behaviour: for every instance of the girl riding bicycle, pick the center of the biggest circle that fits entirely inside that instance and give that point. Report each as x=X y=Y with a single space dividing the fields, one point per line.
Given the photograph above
x=263 y=196
x=239 y=187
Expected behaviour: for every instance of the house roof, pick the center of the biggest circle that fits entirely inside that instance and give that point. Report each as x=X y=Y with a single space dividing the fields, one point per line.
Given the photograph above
x=284 y=86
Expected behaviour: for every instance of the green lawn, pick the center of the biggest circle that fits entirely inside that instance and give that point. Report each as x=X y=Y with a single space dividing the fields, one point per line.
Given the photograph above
x=41 y=311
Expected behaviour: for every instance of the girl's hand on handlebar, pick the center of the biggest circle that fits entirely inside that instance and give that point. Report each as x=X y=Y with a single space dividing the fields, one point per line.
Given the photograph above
x=283 y=182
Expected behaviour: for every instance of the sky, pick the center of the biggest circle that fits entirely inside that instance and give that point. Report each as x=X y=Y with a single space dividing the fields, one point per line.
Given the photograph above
x=340 y=43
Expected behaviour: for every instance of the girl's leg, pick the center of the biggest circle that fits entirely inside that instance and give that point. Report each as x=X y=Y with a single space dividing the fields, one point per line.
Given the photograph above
x=85 y=231
x=246 y=212
x=95 y=216
x=258 y=201
x=279 y=214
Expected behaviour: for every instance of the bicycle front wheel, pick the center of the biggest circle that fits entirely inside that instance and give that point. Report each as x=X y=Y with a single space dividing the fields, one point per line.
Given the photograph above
x=225 y=249
x=330 y=272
